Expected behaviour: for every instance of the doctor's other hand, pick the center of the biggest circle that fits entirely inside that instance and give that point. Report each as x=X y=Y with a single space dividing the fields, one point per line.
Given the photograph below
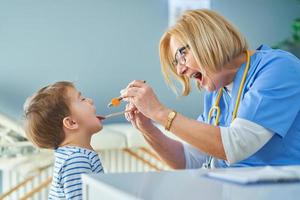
x=138 y=120
x=143 y=98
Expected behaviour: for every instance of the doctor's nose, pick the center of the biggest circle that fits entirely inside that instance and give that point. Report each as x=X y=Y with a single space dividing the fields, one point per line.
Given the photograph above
x=181 y=69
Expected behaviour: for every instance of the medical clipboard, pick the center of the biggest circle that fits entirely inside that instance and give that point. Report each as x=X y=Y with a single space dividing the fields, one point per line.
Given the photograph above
x=255 y=175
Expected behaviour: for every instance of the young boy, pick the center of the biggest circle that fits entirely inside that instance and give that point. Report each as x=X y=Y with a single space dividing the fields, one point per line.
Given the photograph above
x=59 y=117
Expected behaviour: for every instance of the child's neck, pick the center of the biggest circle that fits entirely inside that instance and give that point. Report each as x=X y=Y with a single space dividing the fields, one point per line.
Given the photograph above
x=83 y=141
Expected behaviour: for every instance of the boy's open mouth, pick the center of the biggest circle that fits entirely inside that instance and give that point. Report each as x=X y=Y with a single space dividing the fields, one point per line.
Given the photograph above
x=100 y=117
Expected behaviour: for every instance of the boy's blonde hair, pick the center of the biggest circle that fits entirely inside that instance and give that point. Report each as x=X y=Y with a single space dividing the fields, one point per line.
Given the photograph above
x=44 y=113
x=212 y=40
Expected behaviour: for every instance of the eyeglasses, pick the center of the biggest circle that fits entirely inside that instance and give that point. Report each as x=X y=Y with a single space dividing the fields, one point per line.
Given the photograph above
x=180 y=56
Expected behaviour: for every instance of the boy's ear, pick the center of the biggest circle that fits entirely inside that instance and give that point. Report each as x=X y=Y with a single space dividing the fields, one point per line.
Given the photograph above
x=69 y=123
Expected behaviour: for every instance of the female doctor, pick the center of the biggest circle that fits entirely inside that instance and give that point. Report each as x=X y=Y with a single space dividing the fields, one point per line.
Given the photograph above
x=251 y=105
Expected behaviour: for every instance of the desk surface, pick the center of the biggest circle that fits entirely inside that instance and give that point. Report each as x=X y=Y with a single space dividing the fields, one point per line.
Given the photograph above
x=182 y=184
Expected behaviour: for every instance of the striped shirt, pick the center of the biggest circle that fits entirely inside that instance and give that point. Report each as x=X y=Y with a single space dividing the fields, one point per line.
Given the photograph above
x=70 y=163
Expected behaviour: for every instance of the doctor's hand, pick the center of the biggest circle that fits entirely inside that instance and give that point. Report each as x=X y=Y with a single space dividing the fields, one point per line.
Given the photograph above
x=138 y=120
x=143 y=98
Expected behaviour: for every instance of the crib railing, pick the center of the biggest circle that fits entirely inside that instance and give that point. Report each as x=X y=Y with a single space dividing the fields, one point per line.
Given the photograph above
x=36 y=186
x=131 y=160
x=28 y=173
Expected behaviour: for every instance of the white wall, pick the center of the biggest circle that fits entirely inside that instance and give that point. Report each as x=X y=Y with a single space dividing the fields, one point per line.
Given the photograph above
x=104 y=44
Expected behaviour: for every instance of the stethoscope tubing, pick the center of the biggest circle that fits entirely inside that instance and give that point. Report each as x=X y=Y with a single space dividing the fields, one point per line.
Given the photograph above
x=216 y=108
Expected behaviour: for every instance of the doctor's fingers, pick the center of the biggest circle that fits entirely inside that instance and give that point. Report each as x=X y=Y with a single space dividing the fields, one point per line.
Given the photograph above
x=127 y=117
x=137 y=83
x=129 y=93
x=128 y=114
x=132 y=110
x=131 y=117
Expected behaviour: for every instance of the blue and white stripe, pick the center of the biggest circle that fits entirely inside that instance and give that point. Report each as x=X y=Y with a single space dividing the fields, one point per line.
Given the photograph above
x=70 y=163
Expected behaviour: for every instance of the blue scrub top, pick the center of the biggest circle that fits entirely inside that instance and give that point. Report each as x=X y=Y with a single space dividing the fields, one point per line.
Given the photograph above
x=270 y=98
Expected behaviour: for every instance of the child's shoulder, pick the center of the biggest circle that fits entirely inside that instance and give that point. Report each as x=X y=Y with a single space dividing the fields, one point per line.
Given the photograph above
x=71 y=151
x=70 y=154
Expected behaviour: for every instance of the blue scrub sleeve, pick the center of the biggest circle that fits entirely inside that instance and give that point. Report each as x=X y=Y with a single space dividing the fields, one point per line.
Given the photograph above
x=273 y=98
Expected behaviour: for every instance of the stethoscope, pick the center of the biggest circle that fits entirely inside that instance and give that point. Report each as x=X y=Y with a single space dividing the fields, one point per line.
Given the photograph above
x=216 y=108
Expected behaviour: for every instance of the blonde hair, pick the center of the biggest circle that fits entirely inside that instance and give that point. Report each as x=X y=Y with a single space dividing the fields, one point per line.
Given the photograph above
x=44 y=113
x=212 y=40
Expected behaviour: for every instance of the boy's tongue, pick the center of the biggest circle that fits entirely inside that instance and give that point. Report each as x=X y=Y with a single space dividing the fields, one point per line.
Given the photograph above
x=100 y=117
